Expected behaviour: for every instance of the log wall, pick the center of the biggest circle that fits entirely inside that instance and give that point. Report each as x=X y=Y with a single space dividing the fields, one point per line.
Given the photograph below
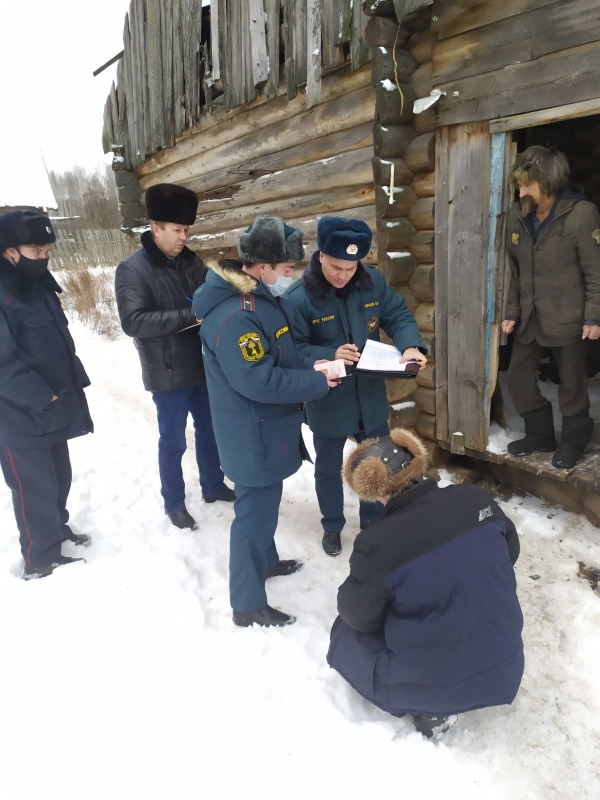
x=402 y=67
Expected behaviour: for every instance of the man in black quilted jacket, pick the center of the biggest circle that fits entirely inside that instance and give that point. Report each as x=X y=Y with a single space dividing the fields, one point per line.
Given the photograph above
x=154 y=289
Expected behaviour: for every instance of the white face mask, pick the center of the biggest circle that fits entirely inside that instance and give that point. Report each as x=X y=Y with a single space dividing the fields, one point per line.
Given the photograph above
x=281 y=284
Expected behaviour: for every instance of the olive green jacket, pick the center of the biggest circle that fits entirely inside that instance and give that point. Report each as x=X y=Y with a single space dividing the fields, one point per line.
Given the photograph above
x=557 y=276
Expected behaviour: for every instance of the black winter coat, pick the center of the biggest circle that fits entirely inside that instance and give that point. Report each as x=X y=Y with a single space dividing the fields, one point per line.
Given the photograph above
x=153 y=307
x=429 y=617
x=37 y=361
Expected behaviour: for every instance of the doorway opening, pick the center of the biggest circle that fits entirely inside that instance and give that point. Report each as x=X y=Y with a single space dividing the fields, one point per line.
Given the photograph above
x=579 y=140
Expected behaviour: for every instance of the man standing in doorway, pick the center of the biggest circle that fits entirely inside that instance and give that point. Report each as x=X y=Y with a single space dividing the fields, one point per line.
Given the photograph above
x=553 y=301
x=42 y=402
x=340 y=303
x=154 y=289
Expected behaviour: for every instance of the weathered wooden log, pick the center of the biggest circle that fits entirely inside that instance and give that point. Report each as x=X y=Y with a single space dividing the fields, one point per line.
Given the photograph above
x=400 y=390
x=390 y=141
x=422 y=283
x=382 y=169
x=422 y=79
x=429 y=342
x=420 y=46
x=425 y=427
x=379 y=8
x=424 y=184
x=422 y=214
x=404 y=200
x=394 y=235
x=226 y=238
x=411 y=300
x=385 y=32
x=215 y=183
x=227 y=126
x=391 y=64
x=420 y=154
x=330 y=202
x=336 y=115
x=426 y=375
x=393 y=107
x=397 y=266
x=422 y=246
x=404 y=415
x=425 y=317
x=345 y=170
x=425 y=398
x=425 y=122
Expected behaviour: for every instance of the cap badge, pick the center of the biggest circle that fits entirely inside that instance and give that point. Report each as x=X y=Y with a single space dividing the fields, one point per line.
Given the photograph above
x=48 y=229
x=352 y=249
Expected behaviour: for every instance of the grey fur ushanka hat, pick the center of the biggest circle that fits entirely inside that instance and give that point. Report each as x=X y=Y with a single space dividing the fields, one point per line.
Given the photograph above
x=270 y=241
x=384 y=467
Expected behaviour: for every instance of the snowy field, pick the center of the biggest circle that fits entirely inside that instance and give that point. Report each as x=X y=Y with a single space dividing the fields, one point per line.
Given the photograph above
x=125 y=677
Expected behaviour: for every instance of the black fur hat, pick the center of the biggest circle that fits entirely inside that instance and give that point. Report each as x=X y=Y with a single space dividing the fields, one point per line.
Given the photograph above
x=344 y=238
x=270 y=241
x=24 y=227
x=168 y=202
x=384 y=467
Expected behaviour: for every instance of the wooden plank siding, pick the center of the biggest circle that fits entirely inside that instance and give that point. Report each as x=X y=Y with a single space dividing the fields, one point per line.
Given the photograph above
x=461 y=274
x=497 y=59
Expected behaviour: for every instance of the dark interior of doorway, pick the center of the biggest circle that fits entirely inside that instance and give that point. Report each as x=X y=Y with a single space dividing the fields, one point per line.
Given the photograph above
x=579 y=140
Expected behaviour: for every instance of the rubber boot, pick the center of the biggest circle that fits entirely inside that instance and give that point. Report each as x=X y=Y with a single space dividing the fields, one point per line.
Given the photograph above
x=576 y=434
x=539 y=433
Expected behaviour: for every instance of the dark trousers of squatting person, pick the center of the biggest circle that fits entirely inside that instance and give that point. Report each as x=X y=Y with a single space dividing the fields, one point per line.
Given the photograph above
x=328 y=481
x=523 y=383
x=252 y=551
x=172 y=408
x=39 y=479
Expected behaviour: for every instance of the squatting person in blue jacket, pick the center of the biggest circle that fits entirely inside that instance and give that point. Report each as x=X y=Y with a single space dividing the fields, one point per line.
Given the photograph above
x=340 y=303
x=429 y=620
x=42 y=402
x=256 y=382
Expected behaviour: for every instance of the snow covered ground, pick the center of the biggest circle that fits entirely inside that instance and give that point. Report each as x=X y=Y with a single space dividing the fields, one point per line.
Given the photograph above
x=125 y=677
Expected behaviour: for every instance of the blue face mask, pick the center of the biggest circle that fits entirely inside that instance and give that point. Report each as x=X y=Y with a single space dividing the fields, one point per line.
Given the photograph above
x=281 y=284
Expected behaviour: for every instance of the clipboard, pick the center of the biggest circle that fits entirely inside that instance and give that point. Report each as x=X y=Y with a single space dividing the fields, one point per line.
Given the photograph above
x=380 y=360
x=411 y=371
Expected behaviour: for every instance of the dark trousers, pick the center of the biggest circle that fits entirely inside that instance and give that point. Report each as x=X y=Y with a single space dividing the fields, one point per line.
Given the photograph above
x=252 y=551
x=523 y=378
x=328 y=481
x=39 y=479
x=172 y=410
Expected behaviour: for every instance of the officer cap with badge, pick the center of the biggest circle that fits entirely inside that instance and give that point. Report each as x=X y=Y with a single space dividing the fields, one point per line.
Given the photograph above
x=346 y=239
x=18 y=228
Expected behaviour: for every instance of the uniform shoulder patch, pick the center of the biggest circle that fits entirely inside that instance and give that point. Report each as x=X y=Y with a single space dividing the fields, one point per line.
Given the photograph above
x=596 y=236
x=251 y=346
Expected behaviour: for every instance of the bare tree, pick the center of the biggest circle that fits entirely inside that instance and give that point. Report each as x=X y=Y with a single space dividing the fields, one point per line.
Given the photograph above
x=90 y=196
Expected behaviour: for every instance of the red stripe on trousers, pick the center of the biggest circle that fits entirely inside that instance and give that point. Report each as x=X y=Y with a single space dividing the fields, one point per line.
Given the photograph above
x=16 y=474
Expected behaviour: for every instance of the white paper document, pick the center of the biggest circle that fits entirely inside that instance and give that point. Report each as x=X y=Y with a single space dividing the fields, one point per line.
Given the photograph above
x=380 y=357
x=334 y=369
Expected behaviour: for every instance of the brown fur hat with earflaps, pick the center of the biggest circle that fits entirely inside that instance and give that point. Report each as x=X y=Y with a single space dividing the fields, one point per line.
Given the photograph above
x=385 y=467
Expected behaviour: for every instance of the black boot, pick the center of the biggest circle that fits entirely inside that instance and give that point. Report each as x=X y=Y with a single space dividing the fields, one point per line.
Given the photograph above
x=285 y=567
x=182 y=519
x=539 y=433
x=81 y=539
x=43 y=570
x=576 y=434
x=226 y=496
x=267 y=617
x=434 y=728
x=332 y=543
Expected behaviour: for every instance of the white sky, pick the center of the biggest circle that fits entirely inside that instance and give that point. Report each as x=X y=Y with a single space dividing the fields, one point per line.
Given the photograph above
x=49 y=99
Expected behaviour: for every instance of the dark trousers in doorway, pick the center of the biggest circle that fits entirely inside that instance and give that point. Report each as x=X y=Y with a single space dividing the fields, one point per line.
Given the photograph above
x=523 y=383
x=39 y=479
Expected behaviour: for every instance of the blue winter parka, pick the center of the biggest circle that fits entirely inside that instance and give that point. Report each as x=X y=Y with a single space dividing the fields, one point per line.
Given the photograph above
x=430 y=621
x=37 y=361
x=256 y=379
x=324 y=320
